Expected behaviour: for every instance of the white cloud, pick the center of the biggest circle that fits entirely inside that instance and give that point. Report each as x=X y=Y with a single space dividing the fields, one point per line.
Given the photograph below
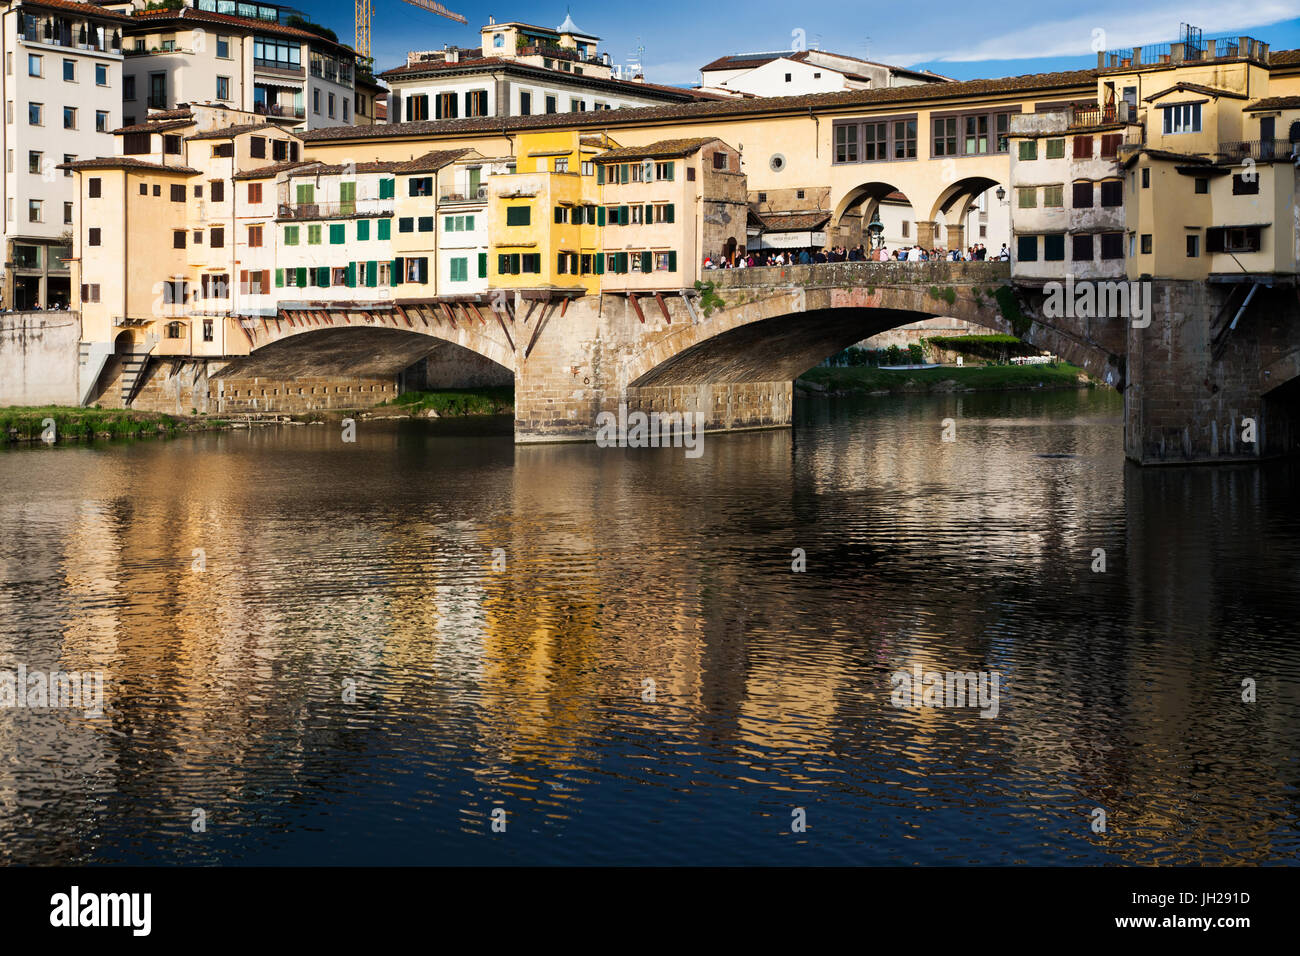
x=1074 y=37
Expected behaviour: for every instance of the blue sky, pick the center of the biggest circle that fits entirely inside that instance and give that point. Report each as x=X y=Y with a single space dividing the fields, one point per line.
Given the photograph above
x=1000 y=38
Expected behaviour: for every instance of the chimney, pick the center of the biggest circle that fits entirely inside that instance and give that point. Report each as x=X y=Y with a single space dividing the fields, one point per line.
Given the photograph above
x=453 y=55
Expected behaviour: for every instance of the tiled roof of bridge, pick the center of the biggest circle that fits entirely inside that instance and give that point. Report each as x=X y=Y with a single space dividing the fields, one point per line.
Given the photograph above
x=721 y=108
x=1274 y=103
x=794 y=221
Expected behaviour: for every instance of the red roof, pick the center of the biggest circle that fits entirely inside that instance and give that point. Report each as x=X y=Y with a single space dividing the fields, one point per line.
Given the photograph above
x=84 y=9
x=205 y=16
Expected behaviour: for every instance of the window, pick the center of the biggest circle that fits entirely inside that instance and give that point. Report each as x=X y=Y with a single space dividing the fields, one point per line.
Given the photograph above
x=1082 y=195
x=178 y=239
x=93 y=236
x=315 y=103
x=223 y=48
x=1082 y=248
x=34 y=160
x=1029 y=150
x=459 y=270
x=177 y=192
x=550 y=104
x=90 y=292
x=1233 y=239
x=525 y=103
x=101 y=121
x=197 y=238
x=1055 y=149
x=363 y=230
x=1110 y=144
x=254 y=193
x=331 y=105
x=589 y=168
x=787 y=77
x=720 y=160
x=384 y=229
x=905 y=139
x=1054 y=248
x=977 y=135
x=1241 y=186
x=207 y=330
x=1193 y=245
x=101 y=74
x=1027 y=248
x=446 y=106
x=1202 y=185
x=1027 y=197
x=906 y=228
x=34 y=64
x=67 y=213
x=1054 y=196
x=290 y=235
x=223 y=87
x=1083 y=147
x=665 y=262
x=562 y=164
x=172 y=147
x=70 y=71
x=128 y=89
x=1112 y=245
x=518 y=215
x=1146 y=179
x=421 y=186
x=1112 y=192
x=945 y=137
x=218 y=190
x=476 y=103
x=339 y=276
x=577 y=106
x=1146 y=244
x=36 y=114
x=345 y=110
x=254 y=237
x=217 y=238
x=314 y=235
x=846 y=144
x=1183 y=118
x=406 y=224
x=69 y=117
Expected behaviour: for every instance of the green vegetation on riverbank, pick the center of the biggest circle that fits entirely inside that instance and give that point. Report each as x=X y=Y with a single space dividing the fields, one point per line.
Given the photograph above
x=453 y=402
x=75 y=424
x=867 y=378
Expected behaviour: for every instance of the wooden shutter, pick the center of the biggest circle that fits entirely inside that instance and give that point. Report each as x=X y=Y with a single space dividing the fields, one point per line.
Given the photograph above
x=668 y=213
x=1083 y=147
x=624 y=216
x=243 y=282
x=600 y=175
x=372 y=274
x=647 y=262
x=399 y=271
x=600 y=215
x=672 y=260
x=482 y=265
x=302 y=277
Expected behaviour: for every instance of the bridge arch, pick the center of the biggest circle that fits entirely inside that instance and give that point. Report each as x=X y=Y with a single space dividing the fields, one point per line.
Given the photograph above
x=861 y=201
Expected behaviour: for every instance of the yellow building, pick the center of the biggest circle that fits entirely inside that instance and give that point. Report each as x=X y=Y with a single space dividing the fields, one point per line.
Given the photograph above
x=542 y=218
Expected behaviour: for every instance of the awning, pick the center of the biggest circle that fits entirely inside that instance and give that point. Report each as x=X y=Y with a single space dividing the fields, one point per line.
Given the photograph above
x=791 y=240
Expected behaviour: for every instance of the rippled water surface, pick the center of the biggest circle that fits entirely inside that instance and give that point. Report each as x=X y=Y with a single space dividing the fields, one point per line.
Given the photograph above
x=369 y=566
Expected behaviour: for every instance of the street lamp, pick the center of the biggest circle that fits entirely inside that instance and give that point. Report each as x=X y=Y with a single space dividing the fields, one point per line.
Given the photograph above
x=1000 y=193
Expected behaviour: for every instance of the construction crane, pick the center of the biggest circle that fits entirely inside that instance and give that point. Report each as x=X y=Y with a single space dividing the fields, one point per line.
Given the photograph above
x=365 y=9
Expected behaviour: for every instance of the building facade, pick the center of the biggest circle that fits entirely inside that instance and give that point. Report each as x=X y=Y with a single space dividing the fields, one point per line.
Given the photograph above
x=62 y=94
x=800 y=72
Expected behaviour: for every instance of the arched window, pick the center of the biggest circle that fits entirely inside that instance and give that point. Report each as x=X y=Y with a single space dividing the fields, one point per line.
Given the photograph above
x=1294 y=136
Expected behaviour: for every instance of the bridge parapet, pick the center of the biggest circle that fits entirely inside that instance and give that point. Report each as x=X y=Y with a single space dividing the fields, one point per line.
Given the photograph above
x=856 y=274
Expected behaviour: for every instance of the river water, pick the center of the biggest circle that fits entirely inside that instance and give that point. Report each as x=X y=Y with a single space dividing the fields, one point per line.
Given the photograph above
x=312 y=653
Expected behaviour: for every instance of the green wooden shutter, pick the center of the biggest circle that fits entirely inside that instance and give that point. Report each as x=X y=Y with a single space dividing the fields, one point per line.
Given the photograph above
x=384 y=229
x=386 y=188
x=600 y=263
x=559 y=215
x=600 y=215
x=279 y=278
x=647 y=262
x=503 y=264
x=302 y=277
x=323 y=277
x=600 y=175
x=649 y=214
x=363 y=230
x=399 y=266
x=482 y=265
x=623 y=174
x=372 y=274
x=424 y=269
x=668 y=174
x=337 y=238
x=672 y=262
x=624 y=216
x=352 y=275
x=514 y=263
x=668 y=213
x=621 y=262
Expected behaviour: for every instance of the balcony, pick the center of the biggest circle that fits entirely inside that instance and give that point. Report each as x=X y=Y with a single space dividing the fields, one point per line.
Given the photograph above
x=157 y=101
x=1259 y=150
x=334 y=210
x=278 y=67
x=275 y=109
x=451 y=194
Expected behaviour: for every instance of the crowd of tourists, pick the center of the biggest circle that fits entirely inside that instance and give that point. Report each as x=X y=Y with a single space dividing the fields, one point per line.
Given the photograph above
x=804 y=257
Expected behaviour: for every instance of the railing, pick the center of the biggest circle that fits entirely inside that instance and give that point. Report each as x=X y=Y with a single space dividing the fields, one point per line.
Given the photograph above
x=274 y=109
x=1256 y=149
x=157 y=102
x=278 y=65
x=859 y=274
x=1210 y=48
x=462 y=193
x=334 y=210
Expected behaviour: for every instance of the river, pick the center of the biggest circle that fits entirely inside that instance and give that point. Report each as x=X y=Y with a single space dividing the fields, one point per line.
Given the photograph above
x=322 y=652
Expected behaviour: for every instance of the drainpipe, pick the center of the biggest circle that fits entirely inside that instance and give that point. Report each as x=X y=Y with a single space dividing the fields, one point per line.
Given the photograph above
x=817 y=138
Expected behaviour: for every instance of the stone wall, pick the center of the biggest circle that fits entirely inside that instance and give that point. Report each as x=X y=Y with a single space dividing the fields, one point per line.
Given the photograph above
x=39 y=358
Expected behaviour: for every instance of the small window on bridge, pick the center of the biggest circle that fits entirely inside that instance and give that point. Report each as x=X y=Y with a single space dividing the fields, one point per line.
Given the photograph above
x=1027 y=248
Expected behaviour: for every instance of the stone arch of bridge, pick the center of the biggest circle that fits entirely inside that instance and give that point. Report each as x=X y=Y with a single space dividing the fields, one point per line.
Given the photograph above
x=954 y=202
x=360 y=350
x=862 y=200
x=491 y=339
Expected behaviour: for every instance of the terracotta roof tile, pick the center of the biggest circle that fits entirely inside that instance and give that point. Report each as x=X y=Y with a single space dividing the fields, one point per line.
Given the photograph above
x=148 y=17
x=230 y=132
x=152 y=127
x=85 y=9
x=267 y=172
x=665 y=147
x=127 y=162
x=720 y=107
x=1274 y=103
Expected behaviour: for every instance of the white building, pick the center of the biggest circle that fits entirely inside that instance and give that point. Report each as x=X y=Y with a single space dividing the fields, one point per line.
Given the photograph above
x=252 y=61
x=800 y=72
x=519 y=70
x=63 y=98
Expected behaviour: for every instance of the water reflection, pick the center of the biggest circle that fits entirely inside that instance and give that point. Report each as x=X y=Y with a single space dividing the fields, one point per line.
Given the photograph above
x=334 y=569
